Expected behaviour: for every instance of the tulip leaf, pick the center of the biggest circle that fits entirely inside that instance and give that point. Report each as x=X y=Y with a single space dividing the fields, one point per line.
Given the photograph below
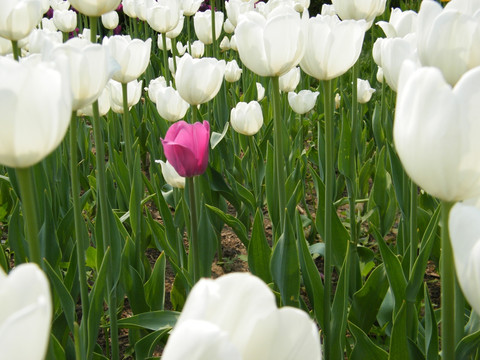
x=68 y=305
x=155 y=286
x=431 y=329
x=55 y=349
x=398 y=339
x=271 y=188
x=285 y=267
x=259 y=252
x=215 y=138
x=16 y=237
x=231 y=221
x=208 y=245
x=344 y=151
x=310 y=275
x=338 y=325
x=468 y=346
x=153 y=320
x=364 y=347
x=146 y=345
x=367 y=301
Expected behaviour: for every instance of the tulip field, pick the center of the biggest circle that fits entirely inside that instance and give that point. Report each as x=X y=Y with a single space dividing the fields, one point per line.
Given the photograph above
x=239 y=180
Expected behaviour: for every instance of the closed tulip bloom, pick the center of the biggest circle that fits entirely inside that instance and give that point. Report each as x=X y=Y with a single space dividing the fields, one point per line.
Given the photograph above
x=202 y=22
x=228 y=27
x=36 y=106
x=225 y=44
x=170 y=104
x=170 y=175
x=129 y=8
x=198 y=48
x=134 y=91
x=163 y=15
x=380 y=75
x=302 y=102
x=247 y=119
x=48 y=24
x=338 y=101
x=364 y=91
x=436 y=131
x=233 y=43
x=19 y=17
x=186 y=147
x=448 y=39
x=190 y=7
x=154 y=86
x=90 y=66
x=110 y=20
x=65 y=20
x=235 y=317
x=236 y=7
x=232 y=71
x=103 y=105
x=464 y=228
x=141 y=9
x=401 y=23
x=367 y=10
x=390 y=54
x=95 y=7
x=25 y=314
x=172 y=34
x=199 y=80
x=271 y=46
x=260 y=91
x=289 y=81
x=132 y=55
x=333 y=46
x=181 y=49
x=60 y=4
x=168 y=41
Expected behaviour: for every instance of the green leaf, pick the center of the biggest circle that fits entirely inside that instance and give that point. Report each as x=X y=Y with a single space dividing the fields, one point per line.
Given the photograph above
x=231 y=221
x=367 y=301
x=364 y=347
x=344 y=150
x=155 y=286
x=259 y=252
x=398 y=340
x=468 y=346
x=153 y=320
x=217 y=137
x=431 y=328
x=285 y=267
x=146 y=345
x=270 y=188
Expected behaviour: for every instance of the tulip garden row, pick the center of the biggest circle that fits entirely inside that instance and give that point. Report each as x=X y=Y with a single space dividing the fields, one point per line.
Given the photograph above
x=340 y=149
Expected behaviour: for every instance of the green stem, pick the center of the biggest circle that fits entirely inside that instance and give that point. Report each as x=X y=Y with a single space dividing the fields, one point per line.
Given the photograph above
x=413 y=224
x=278 y=149
x=77 y=215
x=214 y=38
x=165 y=58
x=459 y=312
x=16 y=50
x=329 y=182
x=194 y=229
x=65 y=36
x=126 y=127
x=93 y=29
x=189 y=36
x=447 y=273
x=27 y=193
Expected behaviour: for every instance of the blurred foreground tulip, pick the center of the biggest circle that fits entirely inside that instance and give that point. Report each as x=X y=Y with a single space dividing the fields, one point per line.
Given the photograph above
x=25 y=314
x=247 y=119
x=302 y=102
x=464 y=228
x=95 y=7
x=170 y=175
x=186 y=147
x=235 y=317
x=36 y=105
x=436 y=132
x=271 y=46
x=19 y=17
x=199 y=80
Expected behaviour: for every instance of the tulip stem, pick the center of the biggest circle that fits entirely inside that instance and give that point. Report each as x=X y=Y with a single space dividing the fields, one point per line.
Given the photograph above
x=214 y=37
x=93 y=29
x=27 y=193
x=126 y=127
x=413 y=224
x=80 y=240
x=447 y=272
x=165 y=57
x=189 y=42
x=15 y=50
x=193 y=229
x=329 y=179
x=278 y=149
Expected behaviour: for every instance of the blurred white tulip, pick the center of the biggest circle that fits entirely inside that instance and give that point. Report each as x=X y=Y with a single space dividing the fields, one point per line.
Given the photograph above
x=19 y=17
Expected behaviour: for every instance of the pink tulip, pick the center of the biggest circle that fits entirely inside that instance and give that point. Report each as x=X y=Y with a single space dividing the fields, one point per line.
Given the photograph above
x=186 y=147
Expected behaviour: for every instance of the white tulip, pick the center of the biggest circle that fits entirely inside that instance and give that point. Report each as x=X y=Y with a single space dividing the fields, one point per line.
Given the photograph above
x=95 y=7
x=65 y=20
x=19 y=17
x=302 y=102
x=171 y=175
x=198 y=48
x=163 y=15
x=202 y=22
x=247 y=119
x=401 y=23
x=134 y=91
x=154 y=86
x=260 y=91
x=364 y=91
x=232 y=71
x=289 y=81
x=110 y=20
x=170 y=104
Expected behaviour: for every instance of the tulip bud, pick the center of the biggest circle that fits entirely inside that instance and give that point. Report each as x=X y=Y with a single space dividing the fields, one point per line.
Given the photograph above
x=225 y=44
x=181 y=49
x=338 y=100
x=260 y=91
x=401 y=23
x=233 y=43
x=25 y=314
x=186 y=147
x=110 y=20
x=232 y=71
x=198 y=48
x=170 y=104
x=134 y=91
x=380 y=75
x=302 y=102
x=65 y=20
x=202 y=22
x=247 y=119
x=18 y=18
x=289 y=81
x=228 y=27
x=170 y=175
x=364 y=91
